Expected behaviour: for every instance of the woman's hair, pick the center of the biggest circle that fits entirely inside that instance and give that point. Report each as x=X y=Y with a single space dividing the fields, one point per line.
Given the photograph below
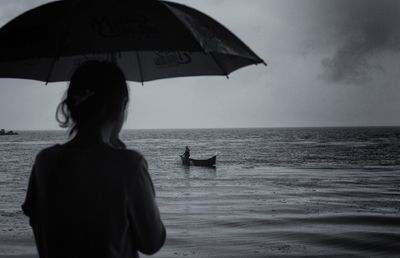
x=97 y=93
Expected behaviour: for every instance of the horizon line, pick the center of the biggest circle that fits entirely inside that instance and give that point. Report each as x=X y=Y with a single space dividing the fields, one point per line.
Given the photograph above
x=216 y=128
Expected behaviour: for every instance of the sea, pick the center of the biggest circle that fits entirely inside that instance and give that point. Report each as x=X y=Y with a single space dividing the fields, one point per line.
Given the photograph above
x=275 y=192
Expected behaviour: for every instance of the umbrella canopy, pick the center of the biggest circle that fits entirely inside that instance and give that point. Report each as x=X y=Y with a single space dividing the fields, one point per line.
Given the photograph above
x=148 y=39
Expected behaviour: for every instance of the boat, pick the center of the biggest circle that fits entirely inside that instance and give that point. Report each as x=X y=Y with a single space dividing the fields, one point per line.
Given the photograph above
x=199 y=162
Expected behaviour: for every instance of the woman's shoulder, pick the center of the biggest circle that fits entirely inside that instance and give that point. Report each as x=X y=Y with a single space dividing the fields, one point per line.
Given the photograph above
x=127 y=158
x=48 y=151
x=47 y=156
x=130 y=156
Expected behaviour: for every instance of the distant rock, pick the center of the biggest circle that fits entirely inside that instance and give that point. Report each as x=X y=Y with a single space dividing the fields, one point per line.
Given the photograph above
x=4 y=132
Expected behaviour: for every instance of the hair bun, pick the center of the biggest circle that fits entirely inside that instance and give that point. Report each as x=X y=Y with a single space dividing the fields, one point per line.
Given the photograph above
x=79 y=98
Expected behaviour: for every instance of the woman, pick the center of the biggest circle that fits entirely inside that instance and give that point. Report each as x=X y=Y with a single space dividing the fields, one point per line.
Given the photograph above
x=92 y=197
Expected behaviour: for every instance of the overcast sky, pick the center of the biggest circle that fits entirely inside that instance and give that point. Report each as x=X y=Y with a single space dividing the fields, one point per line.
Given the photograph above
x=330 y=63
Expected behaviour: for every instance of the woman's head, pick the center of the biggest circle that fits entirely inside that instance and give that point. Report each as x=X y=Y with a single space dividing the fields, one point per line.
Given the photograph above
x=97 y=94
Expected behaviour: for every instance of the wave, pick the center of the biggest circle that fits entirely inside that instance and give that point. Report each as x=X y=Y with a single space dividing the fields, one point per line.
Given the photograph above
x=29 y=143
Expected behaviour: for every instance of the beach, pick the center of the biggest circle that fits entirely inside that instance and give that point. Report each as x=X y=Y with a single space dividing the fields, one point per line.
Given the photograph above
x=274 y=193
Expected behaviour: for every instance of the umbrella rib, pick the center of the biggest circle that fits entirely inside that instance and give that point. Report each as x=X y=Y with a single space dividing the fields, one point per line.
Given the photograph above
x=62 y=41
x=194 y=36
x=139 y=63
x=219 y=64
x=53 y=61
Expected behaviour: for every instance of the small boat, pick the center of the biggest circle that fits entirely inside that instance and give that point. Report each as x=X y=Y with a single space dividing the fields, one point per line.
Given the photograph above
x=199 y=162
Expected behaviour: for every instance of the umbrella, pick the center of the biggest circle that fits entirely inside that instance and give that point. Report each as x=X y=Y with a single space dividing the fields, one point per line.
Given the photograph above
x=148 y=39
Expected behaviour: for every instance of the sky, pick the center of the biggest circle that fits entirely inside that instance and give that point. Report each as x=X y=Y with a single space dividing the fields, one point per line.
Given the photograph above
x=330 y=63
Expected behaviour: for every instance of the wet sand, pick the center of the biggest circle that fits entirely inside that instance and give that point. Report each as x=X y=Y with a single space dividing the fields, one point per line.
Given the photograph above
x=272 y=212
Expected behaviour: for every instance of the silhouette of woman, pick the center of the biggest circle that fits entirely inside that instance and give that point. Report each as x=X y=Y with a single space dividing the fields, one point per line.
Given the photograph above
x=92 y=197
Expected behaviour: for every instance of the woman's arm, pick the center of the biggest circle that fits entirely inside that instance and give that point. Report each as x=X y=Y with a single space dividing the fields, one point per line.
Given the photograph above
x=149 y=230
x=28 y=205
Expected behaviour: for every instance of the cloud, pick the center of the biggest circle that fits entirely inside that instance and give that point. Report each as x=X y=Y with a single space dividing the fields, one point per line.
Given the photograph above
x=365 y=30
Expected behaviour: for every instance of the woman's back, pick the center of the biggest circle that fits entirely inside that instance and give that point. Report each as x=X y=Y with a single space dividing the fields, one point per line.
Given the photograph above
x=91 y=197
x=93 y=202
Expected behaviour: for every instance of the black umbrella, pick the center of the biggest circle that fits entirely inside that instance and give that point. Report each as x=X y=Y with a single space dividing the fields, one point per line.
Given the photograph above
x=148 y=39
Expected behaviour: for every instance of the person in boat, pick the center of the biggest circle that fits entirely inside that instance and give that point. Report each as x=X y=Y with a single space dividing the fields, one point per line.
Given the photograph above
x=186 y=154
x=91 y=196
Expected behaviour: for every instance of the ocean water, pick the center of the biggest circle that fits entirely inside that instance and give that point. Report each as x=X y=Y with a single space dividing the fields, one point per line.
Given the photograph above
x=275 y=192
